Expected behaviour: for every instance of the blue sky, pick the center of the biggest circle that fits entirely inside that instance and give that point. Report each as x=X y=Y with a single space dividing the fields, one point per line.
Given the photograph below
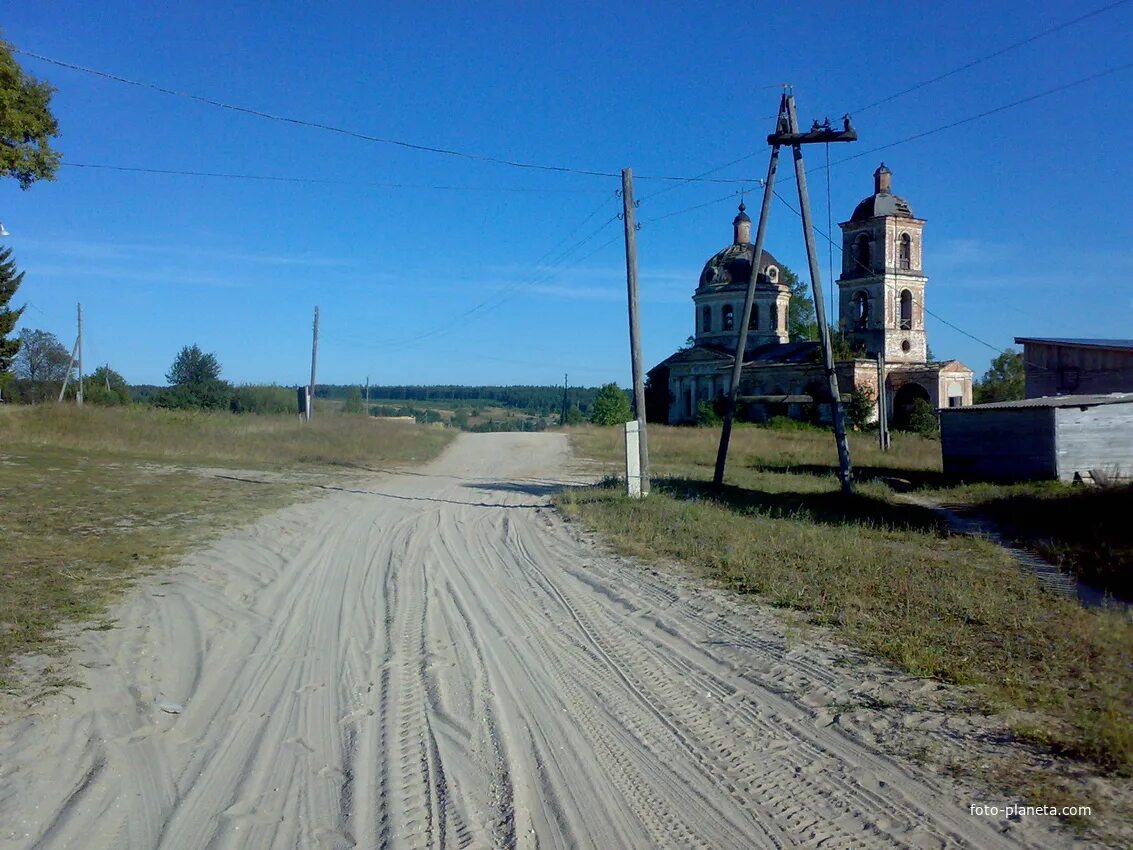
x=437 y=269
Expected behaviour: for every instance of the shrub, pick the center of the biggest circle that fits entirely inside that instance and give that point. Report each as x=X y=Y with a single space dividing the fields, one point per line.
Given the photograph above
x=861 y=407
x=252 y=398
x=611 y=406
x=922 y=419
x=707 y=414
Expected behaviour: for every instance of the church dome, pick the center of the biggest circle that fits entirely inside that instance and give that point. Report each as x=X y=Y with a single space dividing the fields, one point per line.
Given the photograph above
x=882 y=202
x=732 y=265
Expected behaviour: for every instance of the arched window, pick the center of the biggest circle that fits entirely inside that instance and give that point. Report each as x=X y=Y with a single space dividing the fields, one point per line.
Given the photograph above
x=906 y=310
x=774 y=317
x=753 y=322
x=861 y=254
x=728 y=318
x=859 y=310
x=773 y=274
x=905 y=253
x=706 y=319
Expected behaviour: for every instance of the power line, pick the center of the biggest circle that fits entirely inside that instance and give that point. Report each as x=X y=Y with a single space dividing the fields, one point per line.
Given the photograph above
x=916 y=136
x=355 y=134
x=1046 y=93
x=981 y=59
x=320 y=180
x=952 y=72
x=866 y=268
x=497 y=299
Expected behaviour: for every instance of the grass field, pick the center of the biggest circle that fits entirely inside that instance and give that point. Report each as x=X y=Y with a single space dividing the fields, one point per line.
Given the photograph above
x=884 y=573
x=94 y=497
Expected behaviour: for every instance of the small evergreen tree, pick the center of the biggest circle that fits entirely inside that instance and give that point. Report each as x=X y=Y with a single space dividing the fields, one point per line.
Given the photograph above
x=10 y=280
x=611 y=406
x=195 y=382
x=192 y=366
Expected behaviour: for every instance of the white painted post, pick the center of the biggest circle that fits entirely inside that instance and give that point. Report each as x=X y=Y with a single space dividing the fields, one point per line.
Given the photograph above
x=633 y=459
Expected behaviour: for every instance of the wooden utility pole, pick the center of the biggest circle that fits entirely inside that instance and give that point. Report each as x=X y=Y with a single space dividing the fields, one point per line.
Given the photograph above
x=367 y=395
x=314 y=360
x=628 y=208
x=787 y=133
x=563 y=415
x=79 y=393
x=882 y=405
x=836 y=407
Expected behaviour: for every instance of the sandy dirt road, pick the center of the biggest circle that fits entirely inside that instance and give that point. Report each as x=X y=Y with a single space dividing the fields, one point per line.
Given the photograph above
x=437 y=660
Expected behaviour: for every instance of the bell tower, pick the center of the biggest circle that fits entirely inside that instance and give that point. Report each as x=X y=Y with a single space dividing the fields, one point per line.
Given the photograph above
x=882 y=286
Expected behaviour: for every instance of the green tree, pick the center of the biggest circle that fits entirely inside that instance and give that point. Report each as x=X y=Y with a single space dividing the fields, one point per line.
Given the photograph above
x=26 y=124
x=193 y=366
x=574 y=415
x=611 y=406
x=195 y=382
x=1004 y=381
x=354 y=403
x=862 y=407
x=707 y=414
x=106 y=387
x=10 y=280
x=41 y=366
x=801 y=321
x=922 y=419
x=844 y=348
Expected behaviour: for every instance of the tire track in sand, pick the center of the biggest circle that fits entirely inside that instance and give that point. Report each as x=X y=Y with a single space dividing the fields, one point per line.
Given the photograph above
x=439 y=661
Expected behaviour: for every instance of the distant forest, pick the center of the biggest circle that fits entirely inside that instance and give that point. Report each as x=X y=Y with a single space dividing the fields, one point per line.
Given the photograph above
x=536 y=401
x=479 y=408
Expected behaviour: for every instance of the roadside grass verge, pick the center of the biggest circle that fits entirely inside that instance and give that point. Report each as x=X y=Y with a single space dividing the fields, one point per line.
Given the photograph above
x=93 y=498
x=1085 y=531
x=216 y=437
x=883 y=572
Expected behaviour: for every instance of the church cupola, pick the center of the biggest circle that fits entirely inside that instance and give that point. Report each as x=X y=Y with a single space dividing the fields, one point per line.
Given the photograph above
x=741 y=227
x=882 y=181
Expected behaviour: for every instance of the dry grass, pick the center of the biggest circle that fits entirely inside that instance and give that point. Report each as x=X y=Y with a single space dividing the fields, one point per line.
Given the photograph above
x=883 y=572
x=205 y=437
x=93 y=498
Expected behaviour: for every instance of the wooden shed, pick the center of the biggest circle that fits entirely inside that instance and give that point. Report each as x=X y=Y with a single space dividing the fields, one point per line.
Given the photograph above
x=1087 y=436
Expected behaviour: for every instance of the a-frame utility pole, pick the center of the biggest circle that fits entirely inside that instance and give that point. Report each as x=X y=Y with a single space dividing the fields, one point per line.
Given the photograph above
x=76 y=353
x=787 y=133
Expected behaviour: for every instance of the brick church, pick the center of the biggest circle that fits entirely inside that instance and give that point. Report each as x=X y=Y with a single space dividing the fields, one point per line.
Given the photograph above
x=881 y=294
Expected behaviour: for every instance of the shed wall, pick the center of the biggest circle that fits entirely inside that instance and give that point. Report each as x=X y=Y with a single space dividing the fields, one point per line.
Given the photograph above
x=1099 y=437
x=1052 y=369
x=1009 y=444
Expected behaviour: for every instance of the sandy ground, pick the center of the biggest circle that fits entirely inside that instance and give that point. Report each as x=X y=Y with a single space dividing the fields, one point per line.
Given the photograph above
x=437 y=660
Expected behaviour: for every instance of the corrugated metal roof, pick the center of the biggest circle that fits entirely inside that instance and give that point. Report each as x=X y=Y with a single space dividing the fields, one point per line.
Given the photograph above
x=1047 y=401
x=1079 y=343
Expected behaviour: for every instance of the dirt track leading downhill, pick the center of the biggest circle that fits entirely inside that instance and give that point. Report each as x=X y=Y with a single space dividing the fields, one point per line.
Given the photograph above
x=438 y=660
